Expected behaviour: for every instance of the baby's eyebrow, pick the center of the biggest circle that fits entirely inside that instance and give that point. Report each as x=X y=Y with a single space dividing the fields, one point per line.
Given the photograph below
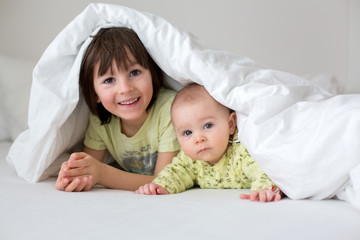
x=180 y=129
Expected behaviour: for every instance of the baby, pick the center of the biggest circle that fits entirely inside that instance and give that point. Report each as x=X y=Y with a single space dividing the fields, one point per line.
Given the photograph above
x=211 y=156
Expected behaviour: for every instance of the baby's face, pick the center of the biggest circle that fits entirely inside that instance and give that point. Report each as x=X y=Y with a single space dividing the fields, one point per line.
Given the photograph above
x=203 y=129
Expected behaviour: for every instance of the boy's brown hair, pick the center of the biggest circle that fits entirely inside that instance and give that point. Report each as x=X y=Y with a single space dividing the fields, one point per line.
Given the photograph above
x=114 y=44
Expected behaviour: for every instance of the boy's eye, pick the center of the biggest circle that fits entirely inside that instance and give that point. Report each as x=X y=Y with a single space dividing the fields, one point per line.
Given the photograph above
x=109 y=80
x=208 y=125
x=134 y=73
x=187 y=133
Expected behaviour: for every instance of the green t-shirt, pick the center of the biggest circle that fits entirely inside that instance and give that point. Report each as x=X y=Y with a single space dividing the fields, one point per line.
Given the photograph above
x=137 y=154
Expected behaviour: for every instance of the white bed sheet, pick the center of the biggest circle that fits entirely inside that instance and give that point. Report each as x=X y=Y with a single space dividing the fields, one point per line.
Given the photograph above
x=38 y=211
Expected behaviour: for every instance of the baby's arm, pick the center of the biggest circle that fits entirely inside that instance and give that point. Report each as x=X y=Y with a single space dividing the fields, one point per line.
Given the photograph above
x=151 y=189
x=176 y=177
x=164 y=158
x=262 y=187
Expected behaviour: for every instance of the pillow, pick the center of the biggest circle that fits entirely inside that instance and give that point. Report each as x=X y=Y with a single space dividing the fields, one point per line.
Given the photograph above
x=15 y=84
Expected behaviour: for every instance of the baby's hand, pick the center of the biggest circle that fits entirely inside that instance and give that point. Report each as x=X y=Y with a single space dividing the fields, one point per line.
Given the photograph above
x=151 y=189
x=265 y=195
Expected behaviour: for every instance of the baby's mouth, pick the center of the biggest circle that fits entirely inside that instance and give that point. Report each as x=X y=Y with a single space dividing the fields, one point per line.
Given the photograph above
x=130 y=101
x=203 y=149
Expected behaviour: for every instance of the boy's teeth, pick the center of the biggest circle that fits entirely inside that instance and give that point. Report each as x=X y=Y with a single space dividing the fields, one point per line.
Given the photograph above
x=129 y=102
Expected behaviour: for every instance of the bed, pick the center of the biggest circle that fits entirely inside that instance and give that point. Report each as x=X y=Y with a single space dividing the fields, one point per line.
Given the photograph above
x=32 y=151
x=38 y=211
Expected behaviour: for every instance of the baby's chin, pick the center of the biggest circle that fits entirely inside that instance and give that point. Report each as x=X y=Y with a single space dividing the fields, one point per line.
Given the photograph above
x=206 y=156
x=212 y=162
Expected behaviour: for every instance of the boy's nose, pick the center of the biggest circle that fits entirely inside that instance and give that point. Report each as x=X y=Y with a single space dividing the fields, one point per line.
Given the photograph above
x=124 y=86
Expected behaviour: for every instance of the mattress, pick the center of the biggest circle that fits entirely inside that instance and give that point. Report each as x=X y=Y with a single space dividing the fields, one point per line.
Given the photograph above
x=39 y=211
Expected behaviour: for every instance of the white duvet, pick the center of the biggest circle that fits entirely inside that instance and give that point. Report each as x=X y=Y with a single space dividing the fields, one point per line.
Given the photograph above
x=305 y=139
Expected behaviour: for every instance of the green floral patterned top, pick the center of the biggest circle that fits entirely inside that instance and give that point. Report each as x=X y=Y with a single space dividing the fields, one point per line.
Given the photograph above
x=236 y=169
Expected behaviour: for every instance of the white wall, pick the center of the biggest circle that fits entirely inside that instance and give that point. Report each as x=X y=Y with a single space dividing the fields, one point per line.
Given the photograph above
x=299 y=36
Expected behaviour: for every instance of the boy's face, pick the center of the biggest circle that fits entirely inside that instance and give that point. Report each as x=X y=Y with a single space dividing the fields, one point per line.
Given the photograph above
x=203 y=129
x=125 y=93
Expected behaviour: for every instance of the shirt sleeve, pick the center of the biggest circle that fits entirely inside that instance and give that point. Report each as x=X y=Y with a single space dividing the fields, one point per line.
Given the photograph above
x=252 y=170
x=93 y=138
x=167 y=137
x=177 y=176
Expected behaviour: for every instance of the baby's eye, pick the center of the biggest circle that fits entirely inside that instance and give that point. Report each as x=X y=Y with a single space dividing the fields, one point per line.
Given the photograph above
x=109 y=80
x=187 y=133
x=208 y=125
x=134 y=73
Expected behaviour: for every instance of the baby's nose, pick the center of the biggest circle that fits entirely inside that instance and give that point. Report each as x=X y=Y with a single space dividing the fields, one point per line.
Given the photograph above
x=200 y=138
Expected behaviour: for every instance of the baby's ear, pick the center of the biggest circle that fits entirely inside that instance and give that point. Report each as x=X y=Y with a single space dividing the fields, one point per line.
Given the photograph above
x=232 y=122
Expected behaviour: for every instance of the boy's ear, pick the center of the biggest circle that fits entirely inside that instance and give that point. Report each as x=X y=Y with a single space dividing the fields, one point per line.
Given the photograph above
x=232 y=122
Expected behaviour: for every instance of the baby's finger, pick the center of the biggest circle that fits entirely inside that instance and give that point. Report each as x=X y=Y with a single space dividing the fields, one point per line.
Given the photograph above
x=140 y=190
x=152 y=189
x=147 y=189
x=277 y=197
x=244 y=196
x=270 y=195
x=161 y=191
x=254 y=196
x=262 y=196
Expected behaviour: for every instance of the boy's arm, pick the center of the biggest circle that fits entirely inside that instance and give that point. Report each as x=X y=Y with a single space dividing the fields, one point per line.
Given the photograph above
x=84 y=170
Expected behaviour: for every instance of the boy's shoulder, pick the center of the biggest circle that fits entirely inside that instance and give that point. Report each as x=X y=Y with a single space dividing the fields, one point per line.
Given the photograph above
x=164 y=100
x=165 y=95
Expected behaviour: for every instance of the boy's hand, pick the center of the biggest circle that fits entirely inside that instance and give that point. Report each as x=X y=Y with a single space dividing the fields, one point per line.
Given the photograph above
x=151 y=189
x=79 y=173
x=265 y=195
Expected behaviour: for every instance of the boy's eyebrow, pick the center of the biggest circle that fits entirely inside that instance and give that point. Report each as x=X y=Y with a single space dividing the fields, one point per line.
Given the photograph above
x=131 y=64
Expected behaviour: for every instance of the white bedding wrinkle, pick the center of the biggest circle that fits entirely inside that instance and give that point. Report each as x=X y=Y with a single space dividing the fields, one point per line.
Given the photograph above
x=305 y=138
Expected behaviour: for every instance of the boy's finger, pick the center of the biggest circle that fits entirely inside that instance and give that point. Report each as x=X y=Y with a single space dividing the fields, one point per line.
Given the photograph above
x=78 y=155
x=89 y=183
x=81 y=185
x=77 y=163
x=71 y=187
x=75 y=172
